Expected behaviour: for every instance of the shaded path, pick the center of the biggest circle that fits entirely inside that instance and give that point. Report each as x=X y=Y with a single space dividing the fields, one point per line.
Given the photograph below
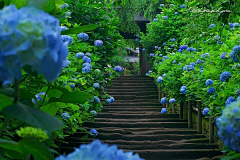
x=134 y=122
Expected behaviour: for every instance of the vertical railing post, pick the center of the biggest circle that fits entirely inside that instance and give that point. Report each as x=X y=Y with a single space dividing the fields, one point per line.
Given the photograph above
x=159 y=94
x=167 y=105
x=189 y=114
x=173 y=108
x=199 y=123
x=125 y=71
x=181 y=111
x=211 y=130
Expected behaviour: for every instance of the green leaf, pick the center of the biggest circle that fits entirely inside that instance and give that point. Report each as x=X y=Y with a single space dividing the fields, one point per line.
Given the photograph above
x=72 y=97
x=5 y=101
x=26 y=94
x=37 y=149
x=50 y=108
x=17 y=3
x=33 y=117
x=80 y=29
x=62 y=89
x=46 y=5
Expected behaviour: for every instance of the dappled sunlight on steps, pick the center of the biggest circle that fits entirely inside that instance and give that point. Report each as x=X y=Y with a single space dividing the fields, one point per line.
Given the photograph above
x=134 y=122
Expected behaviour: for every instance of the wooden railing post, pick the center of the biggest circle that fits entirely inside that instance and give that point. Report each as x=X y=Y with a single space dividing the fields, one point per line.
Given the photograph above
x=199 y=123
x=173 y=108
x=189 y=114
x=211 y=131
x=125 y=71
x=167 y=105
x=181 y=110
x=159 y=94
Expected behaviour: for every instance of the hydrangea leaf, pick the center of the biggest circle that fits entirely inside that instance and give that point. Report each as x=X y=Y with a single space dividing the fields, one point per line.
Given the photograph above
x=80 y=29
x=34 y=117
x=46 y=5
x=50 y=108
x=17 y=3
x=26 y=94
x=5 y=101
x=72 y=97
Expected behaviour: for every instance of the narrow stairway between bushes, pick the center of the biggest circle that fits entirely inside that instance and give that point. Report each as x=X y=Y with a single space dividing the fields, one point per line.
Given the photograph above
x=134 y=122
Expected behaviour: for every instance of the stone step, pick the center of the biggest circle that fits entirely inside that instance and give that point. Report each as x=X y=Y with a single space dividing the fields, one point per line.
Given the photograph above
x=139 y=120
x=146 y=84
x=138 y=102
x=133 y=87
x=136 y=124
x=136 y=115
x=133 y=97
x=139 y=93
x=126 y=90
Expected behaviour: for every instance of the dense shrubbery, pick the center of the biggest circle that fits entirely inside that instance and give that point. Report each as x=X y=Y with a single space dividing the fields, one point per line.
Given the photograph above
x=53 y=77
x=201 y=62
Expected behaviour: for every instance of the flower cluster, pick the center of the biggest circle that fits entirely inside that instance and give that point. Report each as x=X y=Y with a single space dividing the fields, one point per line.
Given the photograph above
x=118 y=69
x=64 y=6
x=211 y=26
x=183 y=89
x=230 y=100
x=209 y=82
x=32 y=132
x=191 y=49
x=164 y=75
x=93 y=133
x=173 y=39
x=151 y=54
x=237 y=92
x=205 y=111
x=223 y=56
x=163 y=110
x=174 y=62
x=161 y=5
x=164 y=100
x=164 y=57
x=38 y=97
x=79 y=55
x=159 y=79
x=95 y=99
x=188 y=68
x=172 y=100
x=235 y=53
x=93 y=113
x=38 y=46
x=206 y=55
x=83 y=36
x=65 y=115
x=211 y=90
x=225 y=76
x=110 y=100
x=63 y=28
x=165 y=17
x=183 y=6
x=96 y=85
x=228 y=125
x=193 y=64
x=98 y=151
x=98 y=43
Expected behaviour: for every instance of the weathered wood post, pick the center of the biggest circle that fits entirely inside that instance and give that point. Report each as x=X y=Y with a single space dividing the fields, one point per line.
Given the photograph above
x=173 y=108
x=125 y=71
x=211 y=130
x=190 y=125
x=181 y=110
x=199 y=122
x=159 y=94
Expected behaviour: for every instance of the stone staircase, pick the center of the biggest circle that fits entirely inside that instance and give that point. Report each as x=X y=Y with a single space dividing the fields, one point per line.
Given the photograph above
x=134 y=122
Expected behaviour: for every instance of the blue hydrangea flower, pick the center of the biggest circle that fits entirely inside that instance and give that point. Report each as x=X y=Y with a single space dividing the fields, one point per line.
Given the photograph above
x=161 y=5
x=96 y=85
x=86 y=69
x=88 y=54
x=66 y=5
x=67 y=39
x=171 y=5
x=154 y=20
x=149 y=25
x=206 y=55
x=188 y=68
x=118 y=69
x=159 y=79
x=182 y=47
x=198 y=61
x=225 y=76
x=172 y=45
x=179 y=64
x=223 y=56
x=79 y=55
x=230 y=100
x=174 y=62
x=98 y=151
x=72 y=85
x=151 y=54
x=136 y=39
x=137 y=35
x=93 y=113
x=68 y=13
x=98 y=43
x=209 y=82
x=211 y=90
x=160 y=55
x=163 y=110
x=219 y=42
x=164 y=75
x=108 y=101
x=163 y=100
x=143 y=49
x=234 y=57
x=87 y=65
x=211 y=26
x=38 y=46
x=191 y=49
x=150 y=71
x=201 y=71
x=236 y=50
x=112 y=99
x=83 y=36
x=183 y=89
x=205 y=111
x=173 y=39
x=183 y=6
x=172 y=100
x=65 y=115
x=156 y=55
x=230 y=25
x=236 y=25
x=164 y=44
x=86 y=59
x=164 y=57
x=63 y=28
x=159 y=48
x=95 y=99
x=176 y=13
x=93 y=132
x=193 y=64
x=180 y=50
x=146 y=74
x=165 y=17
x=156 y=47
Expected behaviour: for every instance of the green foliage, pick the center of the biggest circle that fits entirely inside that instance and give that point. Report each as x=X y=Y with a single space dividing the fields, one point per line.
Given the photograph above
x=31 y=132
